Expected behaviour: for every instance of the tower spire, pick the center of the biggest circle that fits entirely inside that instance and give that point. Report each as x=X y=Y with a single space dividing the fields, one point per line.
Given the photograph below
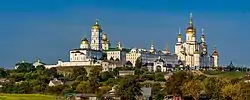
x=152 y=48
x=166 y=46
x=96 y=21
x=215 y=47
x=179 y=32
x=84 y=35
x=191 y=20
x=202 y=31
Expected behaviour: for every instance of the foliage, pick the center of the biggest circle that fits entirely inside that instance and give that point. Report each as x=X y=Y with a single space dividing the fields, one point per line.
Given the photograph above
x=25 y=67
x=129 y=88
x=3 y=73
x=84 y=87
x=225 y=86
x=174 y=83
x=159 y=77
x=138 y=63
x=105 y=76
x=194 y=88
x=77 y=71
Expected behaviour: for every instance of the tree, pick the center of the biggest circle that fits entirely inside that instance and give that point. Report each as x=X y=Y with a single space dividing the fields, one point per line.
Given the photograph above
x=138 y=63
x=77 y=71
x=194 y=88
x=84 y=87
x=159 y=77
x=105 y=76
x=174 y=83
x=229 y=92
x=3 y=73
x=157 y=91
x=81 y=78
x=52 y=72
x=212 y=87
x=40 y=67
x=25 y=67
x=95 y=71
x=104 y=89
x=129 y=88
x=242 y=91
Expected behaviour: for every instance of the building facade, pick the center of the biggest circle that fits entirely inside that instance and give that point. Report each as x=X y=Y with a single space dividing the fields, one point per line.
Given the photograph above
x=193 y=52
x=88 y=54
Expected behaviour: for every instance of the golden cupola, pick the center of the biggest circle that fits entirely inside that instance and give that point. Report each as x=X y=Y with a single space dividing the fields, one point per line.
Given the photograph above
x=85 y=40
x=191 y=29
x=96 y=25
x=179 y=33
x=104 y=37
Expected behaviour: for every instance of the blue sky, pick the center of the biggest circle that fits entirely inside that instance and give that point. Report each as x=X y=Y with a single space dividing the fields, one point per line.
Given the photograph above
x=48 y=29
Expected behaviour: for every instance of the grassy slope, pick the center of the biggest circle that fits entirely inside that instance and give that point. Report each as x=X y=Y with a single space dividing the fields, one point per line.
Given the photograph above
x=225 y=74
x=26 y=97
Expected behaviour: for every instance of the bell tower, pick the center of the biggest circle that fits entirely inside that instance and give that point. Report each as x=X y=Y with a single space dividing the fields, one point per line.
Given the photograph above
x=96 y=36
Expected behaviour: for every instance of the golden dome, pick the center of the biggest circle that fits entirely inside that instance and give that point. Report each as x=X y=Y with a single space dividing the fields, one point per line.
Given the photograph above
x=96 y=25
x=85 y=40
x=104 y=37
x=191 y=29
x=179 y=36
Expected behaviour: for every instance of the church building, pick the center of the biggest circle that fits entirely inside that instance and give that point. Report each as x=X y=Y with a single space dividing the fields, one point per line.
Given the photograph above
x=193 y=52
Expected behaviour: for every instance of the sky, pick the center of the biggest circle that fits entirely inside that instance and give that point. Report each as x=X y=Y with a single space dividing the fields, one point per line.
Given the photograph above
x=48 y=29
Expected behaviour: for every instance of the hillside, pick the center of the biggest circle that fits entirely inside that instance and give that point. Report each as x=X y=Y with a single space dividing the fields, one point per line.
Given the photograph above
x=27 y=97
x=231 y=74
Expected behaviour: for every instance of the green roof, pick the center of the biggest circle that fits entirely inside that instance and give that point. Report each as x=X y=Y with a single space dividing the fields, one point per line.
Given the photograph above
x=117 y=49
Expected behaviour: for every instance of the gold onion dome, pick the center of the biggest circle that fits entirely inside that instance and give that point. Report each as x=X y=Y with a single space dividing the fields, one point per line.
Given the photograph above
x=191 y=28
x=96 y=25
x=179 y=34
x=85 y=40
x=104 y=37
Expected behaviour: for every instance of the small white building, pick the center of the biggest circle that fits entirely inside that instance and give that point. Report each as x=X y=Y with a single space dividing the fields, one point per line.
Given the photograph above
x=38 y=63
x=110 y=65
x=160 y=65
x=117 y=54
x=126 y=72
x=55 y=82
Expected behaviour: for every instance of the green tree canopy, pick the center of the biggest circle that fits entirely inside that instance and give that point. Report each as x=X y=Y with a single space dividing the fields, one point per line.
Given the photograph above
x=129 y=88
x=138 y=63
x=25 y=67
